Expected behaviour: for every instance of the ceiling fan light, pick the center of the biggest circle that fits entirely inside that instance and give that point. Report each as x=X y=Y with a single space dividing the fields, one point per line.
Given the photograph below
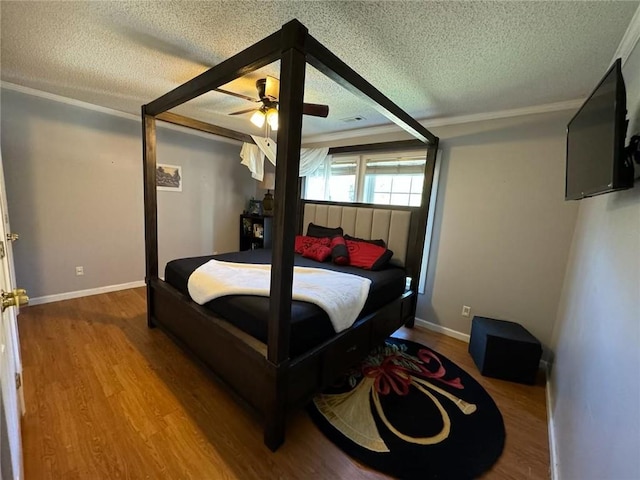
x=272 y=118
x=257 y=118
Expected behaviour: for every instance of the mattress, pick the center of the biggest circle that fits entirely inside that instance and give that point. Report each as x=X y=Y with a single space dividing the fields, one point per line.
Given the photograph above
x=310 y=325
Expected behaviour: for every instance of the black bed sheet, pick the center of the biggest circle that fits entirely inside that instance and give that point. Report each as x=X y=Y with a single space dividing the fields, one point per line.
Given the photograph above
x=310 y=325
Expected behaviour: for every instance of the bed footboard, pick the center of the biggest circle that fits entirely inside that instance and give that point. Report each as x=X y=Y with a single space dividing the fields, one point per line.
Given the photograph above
x=236 y=358
x=240 y=360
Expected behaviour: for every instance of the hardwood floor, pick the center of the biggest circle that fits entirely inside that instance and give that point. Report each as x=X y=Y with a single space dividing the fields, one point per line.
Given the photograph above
x=107 y=398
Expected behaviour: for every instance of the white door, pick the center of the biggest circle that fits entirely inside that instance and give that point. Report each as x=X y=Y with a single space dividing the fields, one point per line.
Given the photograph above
x=11 y=400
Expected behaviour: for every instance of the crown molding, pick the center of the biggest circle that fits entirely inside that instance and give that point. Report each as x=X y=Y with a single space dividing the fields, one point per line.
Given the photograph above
x=629 y=39
x=327 y=137
x=67 y=101
x=445 y=121
x=108 y=111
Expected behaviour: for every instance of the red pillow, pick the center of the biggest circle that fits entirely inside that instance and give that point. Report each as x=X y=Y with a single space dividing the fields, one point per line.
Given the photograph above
x=367 y=255
x=339 y=252
x=317 y=252
x=302 y=242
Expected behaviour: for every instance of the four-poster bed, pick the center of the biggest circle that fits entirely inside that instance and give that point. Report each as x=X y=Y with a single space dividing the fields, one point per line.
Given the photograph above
x=268 y=376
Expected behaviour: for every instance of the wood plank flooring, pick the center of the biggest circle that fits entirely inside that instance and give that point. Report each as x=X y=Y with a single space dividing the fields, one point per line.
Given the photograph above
x=107 y=398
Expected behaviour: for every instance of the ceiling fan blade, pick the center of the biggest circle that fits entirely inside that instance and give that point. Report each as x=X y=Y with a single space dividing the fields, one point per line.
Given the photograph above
x=272 y=91
x=234 y=94
x=244 y=111
x=315 y=110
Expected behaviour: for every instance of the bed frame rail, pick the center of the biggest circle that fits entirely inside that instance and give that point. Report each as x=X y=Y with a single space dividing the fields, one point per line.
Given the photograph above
x=240 y=360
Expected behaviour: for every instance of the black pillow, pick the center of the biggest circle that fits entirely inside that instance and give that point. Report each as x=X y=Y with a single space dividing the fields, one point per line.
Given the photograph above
x=379 y=242
x=322 y=232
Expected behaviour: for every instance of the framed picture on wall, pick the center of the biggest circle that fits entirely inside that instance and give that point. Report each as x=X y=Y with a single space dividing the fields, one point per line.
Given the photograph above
x=169 y=178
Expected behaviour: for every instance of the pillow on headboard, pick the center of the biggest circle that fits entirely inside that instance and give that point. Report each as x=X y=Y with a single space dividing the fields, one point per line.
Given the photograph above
x=367 y=255
x=314 y=230
x=339 y=251
x=302 y=243
x=317 y=252
x=379 y=242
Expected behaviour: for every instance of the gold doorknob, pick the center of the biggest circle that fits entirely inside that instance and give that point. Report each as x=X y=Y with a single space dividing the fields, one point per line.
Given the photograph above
x=12 y=237
x=17 y=297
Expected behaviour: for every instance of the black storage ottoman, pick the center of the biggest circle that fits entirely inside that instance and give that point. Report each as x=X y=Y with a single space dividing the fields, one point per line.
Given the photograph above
x=504 y=350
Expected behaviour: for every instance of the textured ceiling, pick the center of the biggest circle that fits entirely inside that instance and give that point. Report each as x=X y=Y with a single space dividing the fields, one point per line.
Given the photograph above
x=434 y=59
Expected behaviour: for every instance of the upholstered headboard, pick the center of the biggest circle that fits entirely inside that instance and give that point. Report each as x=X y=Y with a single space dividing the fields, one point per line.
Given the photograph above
x=369 y=223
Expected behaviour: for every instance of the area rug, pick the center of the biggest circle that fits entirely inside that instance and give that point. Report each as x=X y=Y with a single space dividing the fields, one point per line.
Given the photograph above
x=411 y=413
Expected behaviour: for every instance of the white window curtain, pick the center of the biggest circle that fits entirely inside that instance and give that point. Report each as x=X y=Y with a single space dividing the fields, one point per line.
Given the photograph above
x=317 y=181
x=253 y=158
x=311 y=159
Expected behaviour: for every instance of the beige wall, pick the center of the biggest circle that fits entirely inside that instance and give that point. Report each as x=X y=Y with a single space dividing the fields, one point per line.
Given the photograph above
x=502 y=228
x=595 y=381
x=74 y=184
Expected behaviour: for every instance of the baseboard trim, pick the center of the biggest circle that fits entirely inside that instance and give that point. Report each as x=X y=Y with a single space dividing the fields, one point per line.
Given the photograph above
x=449 y=332
x=553 y=453
x=84 y=293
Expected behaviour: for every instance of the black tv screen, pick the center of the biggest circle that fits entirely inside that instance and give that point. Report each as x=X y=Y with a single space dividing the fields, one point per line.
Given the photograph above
x=596 y=162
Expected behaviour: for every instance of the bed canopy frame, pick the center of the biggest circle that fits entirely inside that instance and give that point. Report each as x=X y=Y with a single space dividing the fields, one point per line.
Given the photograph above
x=265 y=376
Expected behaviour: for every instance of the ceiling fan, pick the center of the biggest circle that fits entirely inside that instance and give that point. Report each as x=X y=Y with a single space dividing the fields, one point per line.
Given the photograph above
x=268 y=90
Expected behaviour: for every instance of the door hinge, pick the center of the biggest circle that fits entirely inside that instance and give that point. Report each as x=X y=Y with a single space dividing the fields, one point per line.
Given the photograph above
x=2 y=254
x=18 y=381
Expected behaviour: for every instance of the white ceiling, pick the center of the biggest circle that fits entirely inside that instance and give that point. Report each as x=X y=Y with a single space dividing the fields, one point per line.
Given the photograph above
x=434 y=59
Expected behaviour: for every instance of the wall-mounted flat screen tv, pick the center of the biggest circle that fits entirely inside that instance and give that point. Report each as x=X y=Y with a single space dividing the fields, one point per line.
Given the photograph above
x=596 y=160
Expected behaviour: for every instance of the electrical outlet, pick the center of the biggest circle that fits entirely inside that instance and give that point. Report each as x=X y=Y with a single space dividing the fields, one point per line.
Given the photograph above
x=79 y=271
x=466 y=311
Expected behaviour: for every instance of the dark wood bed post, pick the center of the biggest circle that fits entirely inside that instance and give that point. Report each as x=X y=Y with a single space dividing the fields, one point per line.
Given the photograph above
x=292 y=75
x=256 y=56
x=266 y=377
x=150 y=206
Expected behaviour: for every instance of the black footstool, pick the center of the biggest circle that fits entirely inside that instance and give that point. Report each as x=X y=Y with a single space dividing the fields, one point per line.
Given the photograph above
x=504 y=350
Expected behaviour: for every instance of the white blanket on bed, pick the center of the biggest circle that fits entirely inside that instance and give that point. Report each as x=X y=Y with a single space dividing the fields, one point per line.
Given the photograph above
x=341 y=295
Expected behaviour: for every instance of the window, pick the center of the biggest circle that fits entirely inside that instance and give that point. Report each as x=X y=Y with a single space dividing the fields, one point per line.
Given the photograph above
x=394 y=181
x=384 y=179
x=389 y=179
x=335 y=182
x=342 y=187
